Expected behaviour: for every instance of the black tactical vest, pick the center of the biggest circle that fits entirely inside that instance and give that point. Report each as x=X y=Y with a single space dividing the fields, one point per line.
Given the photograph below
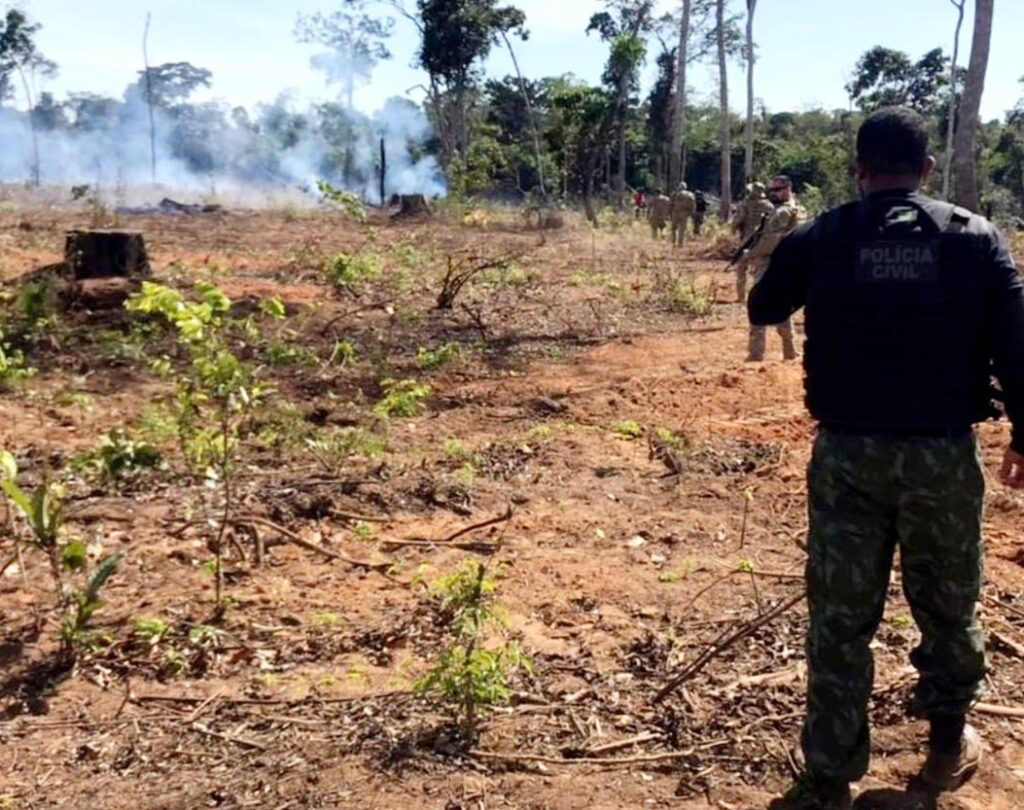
x=896 y=336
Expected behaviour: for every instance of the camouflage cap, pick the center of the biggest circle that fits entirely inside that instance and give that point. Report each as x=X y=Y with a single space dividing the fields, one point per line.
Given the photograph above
x=757 y=189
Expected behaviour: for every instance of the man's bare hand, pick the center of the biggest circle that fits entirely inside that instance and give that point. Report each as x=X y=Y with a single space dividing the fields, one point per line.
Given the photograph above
x=1012 y=473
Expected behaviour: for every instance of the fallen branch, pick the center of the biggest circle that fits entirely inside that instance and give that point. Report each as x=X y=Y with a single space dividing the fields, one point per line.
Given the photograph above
x=503 y=518
x=242 y=741
x=667 y=756
x=312 y=701
x=292 y=537
x=724 y=642
x=998 y=711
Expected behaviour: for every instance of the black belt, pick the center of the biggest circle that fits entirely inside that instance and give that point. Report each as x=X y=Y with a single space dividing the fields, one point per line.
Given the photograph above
x=956 y=432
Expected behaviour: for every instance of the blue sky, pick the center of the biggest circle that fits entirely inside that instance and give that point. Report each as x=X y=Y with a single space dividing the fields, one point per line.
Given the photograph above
x=807 y=48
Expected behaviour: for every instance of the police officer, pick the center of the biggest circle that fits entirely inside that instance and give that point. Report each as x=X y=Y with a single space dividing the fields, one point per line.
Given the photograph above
x=682 y=207
x=750 y=213
x=658 y=213
x=910 y=303
x=785 y=216
x=700 y=212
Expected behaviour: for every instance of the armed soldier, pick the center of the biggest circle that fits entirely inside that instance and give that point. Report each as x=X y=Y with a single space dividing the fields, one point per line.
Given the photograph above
x=910 y=304
x=658 y=213
x=750 y=215
x=700 y=212
x=682 y=206
x=785 y=216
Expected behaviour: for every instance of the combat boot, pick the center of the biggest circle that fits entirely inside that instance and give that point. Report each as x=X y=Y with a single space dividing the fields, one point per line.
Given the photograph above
x=810 y=792
x=954 y=753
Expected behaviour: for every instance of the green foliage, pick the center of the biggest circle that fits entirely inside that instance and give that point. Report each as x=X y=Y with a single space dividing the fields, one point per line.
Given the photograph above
x=219 y=391
x=431 y=360
x=344 y=353
x=402 y=398
x=283 y=352
x=345 y=200
x=364 y=531
x=118 y=455
x=150 y=630
x=83 y=604
x=43 y=511
x=334 y=448
x=628 y=429
x=686 y=298
x=12 y=365
x=469 y=676
x=37 y=303
x=345 y=269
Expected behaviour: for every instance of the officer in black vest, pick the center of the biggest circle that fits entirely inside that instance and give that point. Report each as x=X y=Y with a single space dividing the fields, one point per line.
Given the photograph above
x=910 y=305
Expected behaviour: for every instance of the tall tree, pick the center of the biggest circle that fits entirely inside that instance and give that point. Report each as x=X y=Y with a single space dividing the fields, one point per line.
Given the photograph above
x=947 y=174
x=455 y=36
x=624 y=27
x=748 y=161
x=18 y=54
x=355 y=39
x=884 y=77
x=677 y=167
x=965 y=158
x=723 y=105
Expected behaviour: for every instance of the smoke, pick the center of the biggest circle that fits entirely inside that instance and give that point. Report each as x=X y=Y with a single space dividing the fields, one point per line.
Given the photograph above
x=210 y=147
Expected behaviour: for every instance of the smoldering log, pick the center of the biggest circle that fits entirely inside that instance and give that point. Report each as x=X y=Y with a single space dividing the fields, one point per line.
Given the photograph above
x=105 y=254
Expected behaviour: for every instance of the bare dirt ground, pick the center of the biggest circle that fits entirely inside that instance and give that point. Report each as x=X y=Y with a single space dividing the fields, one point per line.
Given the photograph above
x=618 y=569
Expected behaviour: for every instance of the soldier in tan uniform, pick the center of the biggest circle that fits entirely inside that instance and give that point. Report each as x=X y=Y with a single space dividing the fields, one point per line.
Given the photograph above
x=682 y=206
x=781 y=222
x=749 y=215
x=658 y=213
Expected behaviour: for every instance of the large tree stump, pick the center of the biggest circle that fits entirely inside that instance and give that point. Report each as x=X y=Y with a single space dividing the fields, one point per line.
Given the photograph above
x=412 y=205
x=105 y=254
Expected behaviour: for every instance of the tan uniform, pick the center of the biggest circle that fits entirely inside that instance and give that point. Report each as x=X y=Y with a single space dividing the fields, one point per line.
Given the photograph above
x=682 y=206
x=658 y=214
x=779 y=225
x=749 y=214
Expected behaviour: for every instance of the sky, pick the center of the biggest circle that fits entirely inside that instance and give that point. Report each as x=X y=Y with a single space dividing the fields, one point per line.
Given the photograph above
x=806 y=48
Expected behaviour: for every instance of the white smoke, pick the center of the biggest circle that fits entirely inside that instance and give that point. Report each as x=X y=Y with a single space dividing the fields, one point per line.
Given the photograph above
x=284 y=146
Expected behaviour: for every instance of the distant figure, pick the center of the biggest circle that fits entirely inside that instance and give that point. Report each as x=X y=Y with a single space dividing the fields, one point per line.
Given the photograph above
x=639 y=203
x=781 y=222
x=682 y=207
x=750 y=213
x=658 y=214
x=701 y=211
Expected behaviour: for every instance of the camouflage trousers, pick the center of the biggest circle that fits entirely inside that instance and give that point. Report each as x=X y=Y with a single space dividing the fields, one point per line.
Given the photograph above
x=679 y=231
x=757 y=339
x=868 y=496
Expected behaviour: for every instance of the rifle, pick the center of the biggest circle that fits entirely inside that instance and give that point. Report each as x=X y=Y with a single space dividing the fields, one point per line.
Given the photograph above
x=752 y=240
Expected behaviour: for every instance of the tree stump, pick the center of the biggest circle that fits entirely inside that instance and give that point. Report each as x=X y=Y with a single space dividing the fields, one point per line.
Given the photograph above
x=412 y=205
x=105 y=254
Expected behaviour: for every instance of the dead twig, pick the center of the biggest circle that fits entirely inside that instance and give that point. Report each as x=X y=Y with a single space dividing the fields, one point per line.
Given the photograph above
x=998 y=711
x=291 y=537
x=667 y=756
x=726 y=641
x=242 y=741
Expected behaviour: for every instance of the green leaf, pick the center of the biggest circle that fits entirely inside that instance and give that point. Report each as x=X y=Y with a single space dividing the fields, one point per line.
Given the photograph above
x=19 y=498
x=74 y=555
x=274 y=308
x=103 y=572
x=8 y=466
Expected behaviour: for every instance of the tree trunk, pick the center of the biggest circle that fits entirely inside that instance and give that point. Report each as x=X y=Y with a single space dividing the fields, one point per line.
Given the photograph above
x=723 y=100
x=31 y=125
x=149 y=98
x=92 y=254
x=748 y=161
x=531 y=117
x=965 y=143
x=947 y=172
x=677 y=164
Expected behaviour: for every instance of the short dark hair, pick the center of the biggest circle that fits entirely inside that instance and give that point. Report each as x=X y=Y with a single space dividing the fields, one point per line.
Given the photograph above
x=893 y=141
x=784 y=180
